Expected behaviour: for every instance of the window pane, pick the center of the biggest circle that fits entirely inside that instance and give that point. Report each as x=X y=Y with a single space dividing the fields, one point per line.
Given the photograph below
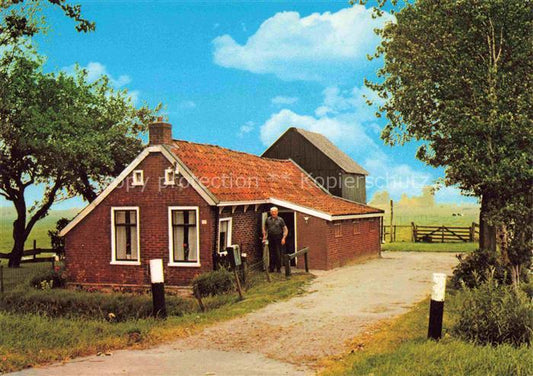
x=223 y=235
x=126 y=246
x=120 y=247
x=177 y=217
x=181 y=217
x=125 y=217
x=193 y=244
x=184 y=237
x=134 y=246
x=179 y=252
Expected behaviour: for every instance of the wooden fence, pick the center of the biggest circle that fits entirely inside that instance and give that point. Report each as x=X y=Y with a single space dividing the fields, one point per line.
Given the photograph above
x=445 y=234
x=30 y=255
x=430 y=234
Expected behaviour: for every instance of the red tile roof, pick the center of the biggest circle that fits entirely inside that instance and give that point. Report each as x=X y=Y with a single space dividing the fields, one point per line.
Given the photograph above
x=236 y=176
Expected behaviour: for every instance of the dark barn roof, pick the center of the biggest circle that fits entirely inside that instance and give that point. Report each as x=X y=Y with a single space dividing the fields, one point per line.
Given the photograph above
x=329 y=149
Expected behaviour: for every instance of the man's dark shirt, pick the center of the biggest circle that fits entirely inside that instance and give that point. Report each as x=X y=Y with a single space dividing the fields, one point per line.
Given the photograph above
x=274 y=226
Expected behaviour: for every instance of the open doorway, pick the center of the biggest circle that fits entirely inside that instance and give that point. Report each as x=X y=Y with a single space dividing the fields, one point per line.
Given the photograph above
x=290 y=221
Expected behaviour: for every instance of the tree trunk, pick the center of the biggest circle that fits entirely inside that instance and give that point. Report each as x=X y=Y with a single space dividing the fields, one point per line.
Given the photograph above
x=17 y=251
x=487 y=233
x=19 y=233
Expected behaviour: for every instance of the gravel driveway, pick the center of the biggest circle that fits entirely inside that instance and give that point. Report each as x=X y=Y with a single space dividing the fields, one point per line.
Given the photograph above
x=285 y=338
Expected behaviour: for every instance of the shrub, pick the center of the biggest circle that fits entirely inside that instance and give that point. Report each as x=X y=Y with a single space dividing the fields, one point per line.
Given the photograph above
x=112 y=307
x=213 y=283
x=474 y=268
x=494 y=314
x=49 y=279
x=58 y=242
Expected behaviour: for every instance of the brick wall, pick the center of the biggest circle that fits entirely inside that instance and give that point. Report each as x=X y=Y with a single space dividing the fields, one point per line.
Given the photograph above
x=88 y=245
x=312 y=233
x=350 y=240
x=246 y=230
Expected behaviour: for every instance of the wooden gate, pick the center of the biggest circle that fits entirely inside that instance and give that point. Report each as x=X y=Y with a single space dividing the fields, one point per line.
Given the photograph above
x=443 y=234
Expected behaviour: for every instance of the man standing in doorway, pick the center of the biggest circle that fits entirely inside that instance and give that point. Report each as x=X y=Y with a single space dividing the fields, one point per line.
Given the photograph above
x=276 y=232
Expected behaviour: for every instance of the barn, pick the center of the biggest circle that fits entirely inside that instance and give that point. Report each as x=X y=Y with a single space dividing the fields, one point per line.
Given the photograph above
x=328 y=164
x=183 y=202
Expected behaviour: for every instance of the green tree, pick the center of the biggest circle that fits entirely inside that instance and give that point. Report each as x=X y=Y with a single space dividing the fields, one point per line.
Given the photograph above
x=457 y=74
x=23 y=18
x=62 y=133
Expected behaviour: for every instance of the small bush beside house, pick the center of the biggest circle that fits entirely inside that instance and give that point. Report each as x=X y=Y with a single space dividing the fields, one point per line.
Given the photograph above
x=213 y=283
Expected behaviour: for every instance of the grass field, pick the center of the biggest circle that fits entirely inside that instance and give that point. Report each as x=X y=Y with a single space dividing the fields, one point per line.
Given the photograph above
x=400 y=348
x=39 y=232
x=439 y=214
x=29 y=339
x=429 y=247
x=12 y=277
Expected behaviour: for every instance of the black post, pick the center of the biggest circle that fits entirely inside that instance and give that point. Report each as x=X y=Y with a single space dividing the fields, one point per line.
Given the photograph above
x=158 y=288
x=2 y=279
x=306 y=263
x=287 y=265
x=34 y=249
x=436 y=310
x=158 y=294
x=436 y=307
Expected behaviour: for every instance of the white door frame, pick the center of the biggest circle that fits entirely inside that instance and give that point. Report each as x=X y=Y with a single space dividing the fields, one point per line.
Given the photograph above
x=264 y=217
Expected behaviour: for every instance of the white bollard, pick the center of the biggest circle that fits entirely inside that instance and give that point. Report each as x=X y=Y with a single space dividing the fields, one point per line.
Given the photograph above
x=436 y=308
x=158 y=288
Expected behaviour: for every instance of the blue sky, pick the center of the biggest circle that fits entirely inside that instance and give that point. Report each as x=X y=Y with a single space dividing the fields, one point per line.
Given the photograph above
x=239 y=73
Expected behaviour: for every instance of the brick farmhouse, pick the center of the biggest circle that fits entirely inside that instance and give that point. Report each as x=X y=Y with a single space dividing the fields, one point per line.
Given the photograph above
x=183 y=201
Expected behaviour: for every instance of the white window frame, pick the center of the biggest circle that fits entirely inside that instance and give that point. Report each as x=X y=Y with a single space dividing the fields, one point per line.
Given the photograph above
x=134 y=180
x=171 y=261
x=230 y=232
x=114 y=260
x=170 y=172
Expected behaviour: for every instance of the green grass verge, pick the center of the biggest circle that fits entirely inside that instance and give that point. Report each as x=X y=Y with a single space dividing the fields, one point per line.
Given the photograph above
x=400 y=348
x=29 y=339
x=429 y=247
x=12 y=277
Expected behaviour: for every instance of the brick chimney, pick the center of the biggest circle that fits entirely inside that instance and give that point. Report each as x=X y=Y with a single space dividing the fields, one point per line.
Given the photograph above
x=159 y=133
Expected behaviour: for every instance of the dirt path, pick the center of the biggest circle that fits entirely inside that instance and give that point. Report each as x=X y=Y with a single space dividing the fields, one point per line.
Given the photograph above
x=286 y=338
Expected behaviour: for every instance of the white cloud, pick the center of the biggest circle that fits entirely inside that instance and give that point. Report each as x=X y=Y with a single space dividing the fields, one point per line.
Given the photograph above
x=95 y=70
x=281 y=100
x=396 y=178
x=246 y=128
x=320 y=47
x=345 y=119
x=187 y=105
x=452 y=194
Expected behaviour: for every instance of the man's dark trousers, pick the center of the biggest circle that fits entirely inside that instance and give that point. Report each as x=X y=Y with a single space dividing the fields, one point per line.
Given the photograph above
x=274 y=246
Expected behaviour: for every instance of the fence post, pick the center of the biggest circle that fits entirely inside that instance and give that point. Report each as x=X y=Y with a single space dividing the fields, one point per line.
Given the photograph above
x=442 y=234
x=306 y=263
x=414 y=231
x=34 y=249
x=287 y=265
x=2 y=279
x=472 y=231
x=391 y=218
